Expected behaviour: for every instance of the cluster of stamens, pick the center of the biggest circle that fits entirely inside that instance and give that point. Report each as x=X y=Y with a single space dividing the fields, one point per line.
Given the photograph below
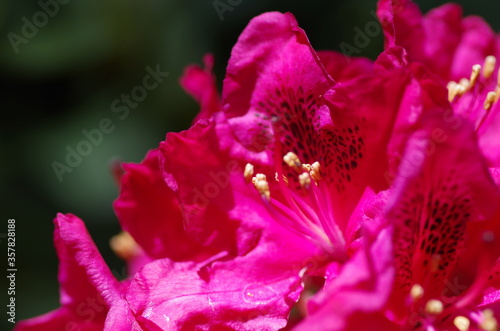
x=434 y=307
x=303 y=205
x=456 y=90
x=308 y=173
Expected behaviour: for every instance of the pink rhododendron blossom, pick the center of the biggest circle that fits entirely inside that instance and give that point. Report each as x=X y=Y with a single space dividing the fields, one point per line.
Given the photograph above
x=462 y=52
x=315 y=192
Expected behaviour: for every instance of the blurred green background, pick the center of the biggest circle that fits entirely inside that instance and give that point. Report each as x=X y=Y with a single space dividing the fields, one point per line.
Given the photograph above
x=64 y=79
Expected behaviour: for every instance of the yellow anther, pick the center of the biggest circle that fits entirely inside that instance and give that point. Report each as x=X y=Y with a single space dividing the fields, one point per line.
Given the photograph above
x=259 y=177
x=489 y=66
x=458 y=90
x=451 y=90
x=476 y=69
x=489 y=322
x=434 y=307
x=416 y=292
x=124 y=245
x=465 y=83
x=305 y=179
x=451 y=84
x=292 y=160
x=306 y=167
x=316 y=171
x=248 y=173
x=462 y=323
x=262 y=186
x=490 y=99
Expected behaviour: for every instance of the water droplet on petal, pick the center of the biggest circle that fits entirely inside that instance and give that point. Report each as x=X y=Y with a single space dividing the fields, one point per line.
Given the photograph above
x=258 y=293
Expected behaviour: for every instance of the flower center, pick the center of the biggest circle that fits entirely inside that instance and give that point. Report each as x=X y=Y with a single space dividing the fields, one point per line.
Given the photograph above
x=473 y=98
x=306 y=209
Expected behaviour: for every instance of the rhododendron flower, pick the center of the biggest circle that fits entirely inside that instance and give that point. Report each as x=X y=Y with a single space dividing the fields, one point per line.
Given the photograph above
x=430 y=209
x=462 y=52
x=443 y=205
x=377 y=179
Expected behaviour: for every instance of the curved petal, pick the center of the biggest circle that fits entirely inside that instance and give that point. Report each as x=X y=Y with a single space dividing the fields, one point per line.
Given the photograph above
x=148 y=209
x=82 y=268
x=201 y=84
x=274 y=86
x=448 y=44
x=87 y=287
x=220 y=207
x=343 y=68
x=355 y=300
x=442 y=185
x=251 y=292
x=489 y=136
x=200 y=174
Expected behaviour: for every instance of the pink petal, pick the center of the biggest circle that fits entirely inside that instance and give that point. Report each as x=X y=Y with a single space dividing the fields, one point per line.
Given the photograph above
x=354 y=146
x=489 y=136
x=442 y=40
x=442 y=184
x=343 y=68
x=201 y=175
x=274 y=86
x=87 y=286
x=120 y=318
x=476 y=42
x=355 y=299
x=251 y=292
x=82 y=266
x=148 y=209
x=201 y=84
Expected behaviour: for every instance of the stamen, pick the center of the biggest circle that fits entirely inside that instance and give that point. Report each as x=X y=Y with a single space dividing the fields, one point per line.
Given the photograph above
x=248 y=173
x=489 y=66
x=465 y=83
x=490 y=99
x=459 y=90
x=124 y=245
x=416 y=292
x=489 y=322
x=462 y=323
x=262 y=186
x=293 y=161
x=305 y=180
x=316 y=171
x=451 y=90
x=258 y=177
x=476 y=69
x=434 y=307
